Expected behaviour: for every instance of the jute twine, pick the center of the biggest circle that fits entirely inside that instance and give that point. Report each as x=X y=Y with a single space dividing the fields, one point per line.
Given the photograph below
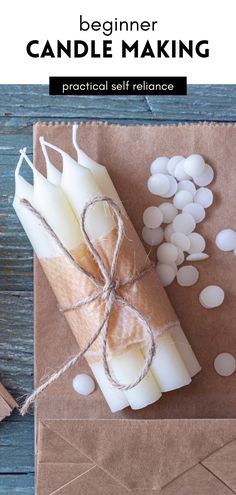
x=107 y=291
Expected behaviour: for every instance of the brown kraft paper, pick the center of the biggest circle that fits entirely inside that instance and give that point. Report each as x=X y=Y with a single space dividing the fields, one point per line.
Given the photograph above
x=185 y=443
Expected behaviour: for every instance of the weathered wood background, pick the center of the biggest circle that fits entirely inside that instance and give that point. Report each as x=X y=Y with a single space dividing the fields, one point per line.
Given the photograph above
x=20 y=107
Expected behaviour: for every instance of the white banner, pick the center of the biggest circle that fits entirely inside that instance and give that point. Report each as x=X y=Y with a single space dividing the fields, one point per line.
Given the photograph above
x=124 y=38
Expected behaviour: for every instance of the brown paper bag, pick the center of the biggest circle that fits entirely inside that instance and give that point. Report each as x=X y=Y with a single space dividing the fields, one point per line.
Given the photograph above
x=184 y=443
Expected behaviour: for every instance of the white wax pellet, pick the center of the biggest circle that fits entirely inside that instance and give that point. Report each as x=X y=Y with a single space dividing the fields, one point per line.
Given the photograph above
x=172 y=189
x=187 y=276
x=169 y=212
x=212 y=296
x=152 y=217
x=180 y=258
x=152 y=237
x=83 y=384
x=168 y=232
x=197 y=243
x=204 y=197
x=180 y=173
x=194 y=165
x=206 y=178
x=159 y=166
x=225 y=364
x=182 y=198
x=226 y=240
x=173 y=162
x=184 y=223
x=197 y=211
x=166 y=273
x=197 y=257
x=167 y=253
x=180 y=240
x=187 y=185
x=158 y=184
x=203 y=303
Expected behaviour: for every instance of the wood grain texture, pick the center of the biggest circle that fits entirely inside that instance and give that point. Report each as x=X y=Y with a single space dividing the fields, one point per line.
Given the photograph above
x=22 y=484
x=20 y=107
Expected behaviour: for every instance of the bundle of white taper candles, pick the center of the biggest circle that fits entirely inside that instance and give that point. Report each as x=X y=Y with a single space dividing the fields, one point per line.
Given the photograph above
x=60 y=199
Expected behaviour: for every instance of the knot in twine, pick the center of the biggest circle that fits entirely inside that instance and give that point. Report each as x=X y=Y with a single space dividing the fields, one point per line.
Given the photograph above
x=107 y=292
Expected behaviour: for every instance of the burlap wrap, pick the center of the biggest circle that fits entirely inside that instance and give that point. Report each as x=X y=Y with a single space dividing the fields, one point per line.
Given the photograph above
x=147 y=295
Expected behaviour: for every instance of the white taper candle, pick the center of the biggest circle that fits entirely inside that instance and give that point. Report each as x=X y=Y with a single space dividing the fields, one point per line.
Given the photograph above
x=99 y=172
x=179 y=338
x=77 y=182
x=168 y=366
x=169 y=349
x=186 y=351
x=53 y=174
x=79 y=186
x=40 y=240
x=45 y=197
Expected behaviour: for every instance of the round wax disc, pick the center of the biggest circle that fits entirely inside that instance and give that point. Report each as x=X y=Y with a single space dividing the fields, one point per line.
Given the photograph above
x=83 y=384
x=158 y=184
x=187 y=276
x=204 y=197
x=197 y=243
x=187 y=185
x=225 y=364
x=169 y=212
x=212 y=296
x=180 y=173
x=194 y=165
x=167 y=253
x=197 y=257
x=166 y=273
x=152 y=237
x=172 y=163
x=197 y=211
x=226 y=240
x=168 y=232
x=180 y=240
x=184 y=223
x=206 y=178
x=182 y=198
x=172 y=189
x=159 y=165
x=152 y=217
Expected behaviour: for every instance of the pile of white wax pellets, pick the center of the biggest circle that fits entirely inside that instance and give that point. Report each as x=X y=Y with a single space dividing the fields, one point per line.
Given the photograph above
x=184 y=180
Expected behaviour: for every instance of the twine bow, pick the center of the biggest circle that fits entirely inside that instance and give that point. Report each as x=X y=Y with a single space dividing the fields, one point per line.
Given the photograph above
x=107 y=292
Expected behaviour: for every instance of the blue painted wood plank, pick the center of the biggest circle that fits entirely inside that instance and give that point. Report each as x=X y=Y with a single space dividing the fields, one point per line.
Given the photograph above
x=16 y=443
x=208 y=102
x=16 y=342
x=21 y=484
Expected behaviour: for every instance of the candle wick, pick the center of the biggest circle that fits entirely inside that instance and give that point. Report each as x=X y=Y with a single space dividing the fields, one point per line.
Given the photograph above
x=23 y=154
x=74 y=140
x=44 y=150
x=54 y=147
x=19 y=164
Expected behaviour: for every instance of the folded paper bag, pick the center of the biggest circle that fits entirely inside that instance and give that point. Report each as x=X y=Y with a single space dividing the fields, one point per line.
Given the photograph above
x=121 y=149
x=84 y=456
